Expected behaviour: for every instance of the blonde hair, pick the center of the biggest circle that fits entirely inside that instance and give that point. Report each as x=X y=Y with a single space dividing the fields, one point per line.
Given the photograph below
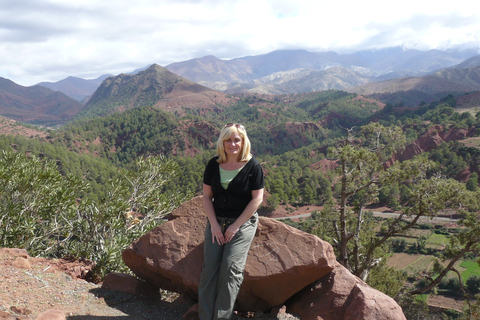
x=225 y=134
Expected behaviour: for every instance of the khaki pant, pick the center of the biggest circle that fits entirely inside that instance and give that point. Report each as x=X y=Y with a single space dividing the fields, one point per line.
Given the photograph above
x=222 y=273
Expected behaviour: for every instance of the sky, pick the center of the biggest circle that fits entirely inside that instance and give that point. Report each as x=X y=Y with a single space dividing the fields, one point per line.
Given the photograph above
x=49 y=40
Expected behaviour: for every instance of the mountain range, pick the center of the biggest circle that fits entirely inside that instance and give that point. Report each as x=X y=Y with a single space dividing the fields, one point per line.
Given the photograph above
x=36 y=104
x=394 y=74
x=294 y=71
x=75 y=87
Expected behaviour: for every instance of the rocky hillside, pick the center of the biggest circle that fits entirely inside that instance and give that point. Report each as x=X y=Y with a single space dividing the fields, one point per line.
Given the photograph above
x=36 y=104
x=468 y=101
x=303 y=80
x=13 y=128
x=155 y=86
x=448 y=81
x=293 y=71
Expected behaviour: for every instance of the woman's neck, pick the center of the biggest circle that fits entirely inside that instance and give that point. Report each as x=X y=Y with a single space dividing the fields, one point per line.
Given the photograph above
x=232 y=158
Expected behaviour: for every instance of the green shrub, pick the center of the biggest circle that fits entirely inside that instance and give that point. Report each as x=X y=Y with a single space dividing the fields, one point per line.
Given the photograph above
x=398 y=245
x=473 y=284
x=43 y=213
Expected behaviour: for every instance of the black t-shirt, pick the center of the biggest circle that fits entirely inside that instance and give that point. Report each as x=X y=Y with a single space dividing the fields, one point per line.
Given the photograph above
x=231 y=202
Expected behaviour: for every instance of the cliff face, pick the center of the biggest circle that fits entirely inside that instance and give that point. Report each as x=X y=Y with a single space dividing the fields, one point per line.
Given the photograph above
x=430 y=140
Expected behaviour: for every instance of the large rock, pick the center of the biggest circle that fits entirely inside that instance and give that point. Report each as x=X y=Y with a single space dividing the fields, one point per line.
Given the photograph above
x=282 y=260
x=342 y=296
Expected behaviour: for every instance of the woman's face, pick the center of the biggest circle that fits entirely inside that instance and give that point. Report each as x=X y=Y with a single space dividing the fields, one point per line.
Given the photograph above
x=233 y=145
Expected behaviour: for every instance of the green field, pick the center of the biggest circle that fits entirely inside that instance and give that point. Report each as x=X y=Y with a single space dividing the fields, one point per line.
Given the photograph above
x=414 y=263
x=437 y=241
x=471 y=268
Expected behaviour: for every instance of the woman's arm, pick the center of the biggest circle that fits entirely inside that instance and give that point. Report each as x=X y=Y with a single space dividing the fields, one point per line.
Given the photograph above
x=257 y=198
x=212 y=218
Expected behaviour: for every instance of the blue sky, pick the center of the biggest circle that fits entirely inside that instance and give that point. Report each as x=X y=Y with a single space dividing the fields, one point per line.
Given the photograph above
x=49 y=40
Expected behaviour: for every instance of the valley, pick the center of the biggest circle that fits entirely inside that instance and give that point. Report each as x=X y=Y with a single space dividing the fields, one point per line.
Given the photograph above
x=341 y=147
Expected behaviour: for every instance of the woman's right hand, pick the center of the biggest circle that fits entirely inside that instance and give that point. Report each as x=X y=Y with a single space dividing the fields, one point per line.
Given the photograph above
x=217 y=233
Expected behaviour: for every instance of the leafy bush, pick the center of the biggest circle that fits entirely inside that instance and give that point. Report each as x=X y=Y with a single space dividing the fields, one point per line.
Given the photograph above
x=43 y=213
x=473 y=284
x=453 y=285
x=398 y=245
x=38 y=204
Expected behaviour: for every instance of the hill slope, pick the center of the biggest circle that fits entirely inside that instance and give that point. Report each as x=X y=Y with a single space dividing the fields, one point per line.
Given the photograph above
x=13 y=128
x=36 y=104
x=447 y=80
x=155 y=86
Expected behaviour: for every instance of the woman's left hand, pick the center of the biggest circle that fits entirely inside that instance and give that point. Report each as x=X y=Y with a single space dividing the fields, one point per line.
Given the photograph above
x=231 y=232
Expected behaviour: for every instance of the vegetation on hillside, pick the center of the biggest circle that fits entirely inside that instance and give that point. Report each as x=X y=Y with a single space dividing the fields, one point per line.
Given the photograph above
x=42 y=211
x=70 y=192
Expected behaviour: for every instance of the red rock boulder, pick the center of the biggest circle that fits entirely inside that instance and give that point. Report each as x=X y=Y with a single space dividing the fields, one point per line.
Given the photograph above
x=342 y=296
x=281 y=262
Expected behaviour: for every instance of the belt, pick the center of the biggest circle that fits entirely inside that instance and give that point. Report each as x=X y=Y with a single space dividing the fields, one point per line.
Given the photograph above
x=225 y=222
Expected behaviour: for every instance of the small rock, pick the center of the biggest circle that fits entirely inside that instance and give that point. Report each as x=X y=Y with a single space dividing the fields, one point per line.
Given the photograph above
x=129 y=284
x=21 y=263
x=51 y=314
x=20 y=311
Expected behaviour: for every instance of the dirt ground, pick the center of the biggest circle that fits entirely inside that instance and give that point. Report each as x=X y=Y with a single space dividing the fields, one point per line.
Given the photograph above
x=29 y=286
x=445 y=302
x=37 y=284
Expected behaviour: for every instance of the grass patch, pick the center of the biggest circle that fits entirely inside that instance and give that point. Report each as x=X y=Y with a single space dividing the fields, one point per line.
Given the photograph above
x=421 y=297
x=409 y=240
x=414 y=232
x=471 y=268
x=411 y=263
x=437 y=241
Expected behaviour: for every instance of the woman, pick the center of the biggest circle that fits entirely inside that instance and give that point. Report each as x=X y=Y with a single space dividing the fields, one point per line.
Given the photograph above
x=232 y=191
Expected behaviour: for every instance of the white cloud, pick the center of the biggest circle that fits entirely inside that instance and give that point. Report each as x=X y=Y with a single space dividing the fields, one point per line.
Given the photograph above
x=48 y=40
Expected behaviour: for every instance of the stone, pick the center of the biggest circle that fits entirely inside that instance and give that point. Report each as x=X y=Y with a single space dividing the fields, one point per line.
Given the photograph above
x=342 y=296
x=20 y=311
x=281 y=262
x=51 y=314
x=21 y=263
x=129 y=284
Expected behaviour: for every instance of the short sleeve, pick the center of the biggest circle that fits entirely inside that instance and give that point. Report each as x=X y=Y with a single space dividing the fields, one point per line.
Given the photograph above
x=257 y=179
